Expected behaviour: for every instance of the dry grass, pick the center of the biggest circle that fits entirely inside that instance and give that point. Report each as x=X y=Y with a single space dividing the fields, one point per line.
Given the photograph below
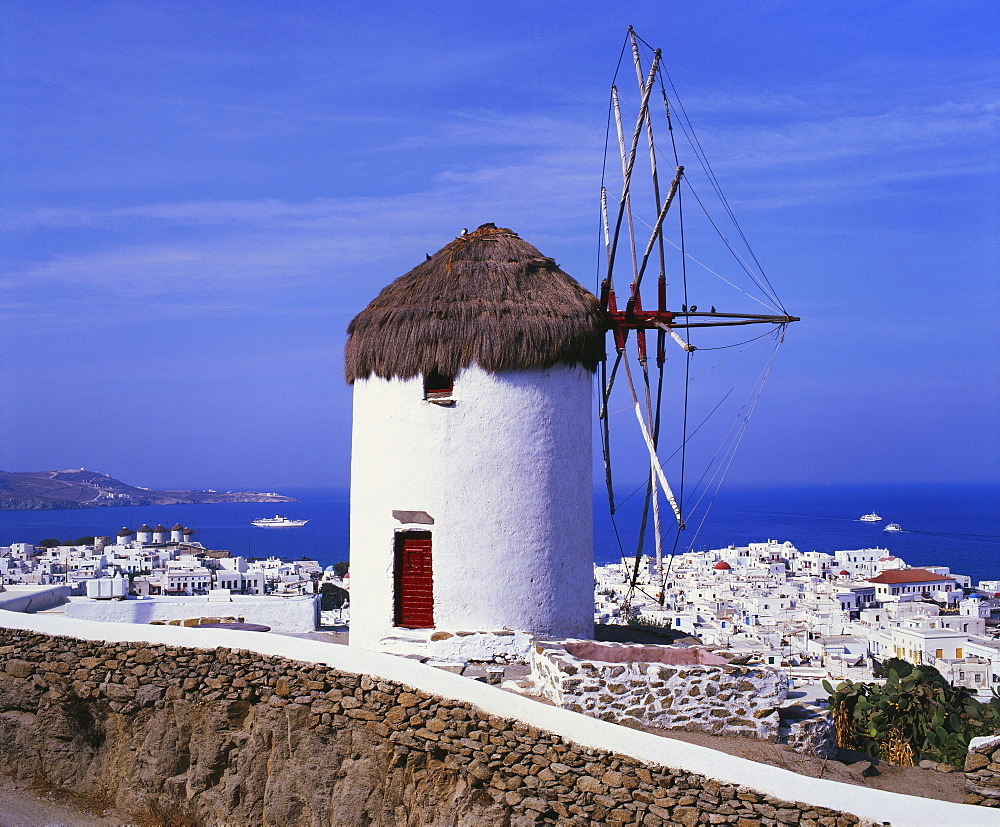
x=488 y=298
x=897 y=750
x=842 y=723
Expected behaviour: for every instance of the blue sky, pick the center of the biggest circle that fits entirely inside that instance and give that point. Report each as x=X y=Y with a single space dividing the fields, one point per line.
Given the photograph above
x=198 y=197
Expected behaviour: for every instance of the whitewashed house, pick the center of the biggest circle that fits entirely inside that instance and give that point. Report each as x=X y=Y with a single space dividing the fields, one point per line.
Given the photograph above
x=903 y=585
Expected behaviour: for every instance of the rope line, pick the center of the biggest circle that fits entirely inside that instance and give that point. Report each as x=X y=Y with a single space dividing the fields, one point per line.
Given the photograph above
x=730 y=453
x=703 y=160
x=704 y=490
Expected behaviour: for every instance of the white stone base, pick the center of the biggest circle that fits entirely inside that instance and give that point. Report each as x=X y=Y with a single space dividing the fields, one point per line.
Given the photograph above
x=486 y=647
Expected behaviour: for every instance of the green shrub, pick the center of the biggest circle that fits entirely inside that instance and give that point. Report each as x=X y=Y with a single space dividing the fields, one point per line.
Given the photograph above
x=648 y=622
x=333 y=597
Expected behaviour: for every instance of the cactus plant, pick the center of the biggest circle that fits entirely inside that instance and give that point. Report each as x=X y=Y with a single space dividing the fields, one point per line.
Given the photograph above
x=918 y=716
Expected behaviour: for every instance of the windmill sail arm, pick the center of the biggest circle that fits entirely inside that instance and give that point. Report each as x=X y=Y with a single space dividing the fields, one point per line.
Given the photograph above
x=761 y=317
x=627 y=172
x=690 y=348
x=734 y=320
x=654 y=460
x=656 y=231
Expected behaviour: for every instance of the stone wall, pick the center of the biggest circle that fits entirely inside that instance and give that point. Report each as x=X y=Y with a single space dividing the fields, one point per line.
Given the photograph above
x=235 y=736
x=713 y=697
x=809 y=730
x=982 y=772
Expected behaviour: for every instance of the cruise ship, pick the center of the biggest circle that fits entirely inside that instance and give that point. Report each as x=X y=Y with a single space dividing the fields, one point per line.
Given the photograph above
x=277 y=521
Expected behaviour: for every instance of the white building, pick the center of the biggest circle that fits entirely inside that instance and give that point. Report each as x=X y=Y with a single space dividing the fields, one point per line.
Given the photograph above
x=235 y=574
x=821 y=612
x=903 y=585
x=471 y=460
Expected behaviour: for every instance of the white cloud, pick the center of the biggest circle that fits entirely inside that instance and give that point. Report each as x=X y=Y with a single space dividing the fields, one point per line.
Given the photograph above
x=536 y=173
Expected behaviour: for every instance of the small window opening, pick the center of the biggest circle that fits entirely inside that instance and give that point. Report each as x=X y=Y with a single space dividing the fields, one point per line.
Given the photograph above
x=437 y=386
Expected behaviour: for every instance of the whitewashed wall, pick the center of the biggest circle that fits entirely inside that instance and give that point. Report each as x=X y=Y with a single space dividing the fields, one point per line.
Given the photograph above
x=283 y=614
x=32 y=598
x=506 y=475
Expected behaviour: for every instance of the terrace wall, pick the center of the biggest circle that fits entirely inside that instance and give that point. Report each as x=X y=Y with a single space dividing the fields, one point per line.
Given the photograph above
x=276 y=730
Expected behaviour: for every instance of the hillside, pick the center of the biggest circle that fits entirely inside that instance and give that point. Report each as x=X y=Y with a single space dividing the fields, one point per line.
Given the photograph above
x=80 y=488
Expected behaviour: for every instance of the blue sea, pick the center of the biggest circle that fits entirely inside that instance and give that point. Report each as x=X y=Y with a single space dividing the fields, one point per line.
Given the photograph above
x=951 y=525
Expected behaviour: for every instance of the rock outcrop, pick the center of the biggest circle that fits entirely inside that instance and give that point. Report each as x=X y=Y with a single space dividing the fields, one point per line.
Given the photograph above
x=79 y=488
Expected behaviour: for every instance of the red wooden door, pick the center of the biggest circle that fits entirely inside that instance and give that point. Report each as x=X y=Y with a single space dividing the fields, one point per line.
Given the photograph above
x=414 y=581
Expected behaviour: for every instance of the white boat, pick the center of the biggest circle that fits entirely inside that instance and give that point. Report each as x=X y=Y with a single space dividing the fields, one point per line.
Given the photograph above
x=893 y=527
x=871 y=518
x=277 y=521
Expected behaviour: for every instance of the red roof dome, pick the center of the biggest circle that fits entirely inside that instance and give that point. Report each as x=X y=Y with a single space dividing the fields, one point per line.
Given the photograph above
x=844 y=571
x=722 y=565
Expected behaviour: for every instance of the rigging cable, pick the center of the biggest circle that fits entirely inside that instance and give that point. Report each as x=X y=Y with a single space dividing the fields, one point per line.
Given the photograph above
x=600 y=215
x=709 y=269
x=730 y=453
x=759 y=384
x=719 y=405
x=603 y=233
x=705 y=373
x=738 y=344
x=739 y=259
x=687 y=352
x=622 y=501
x=703 y=160
x=695 y=143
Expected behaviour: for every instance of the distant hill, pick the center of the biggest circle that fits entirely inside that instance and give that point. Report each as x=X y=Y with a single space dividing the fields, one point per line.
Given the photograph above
x=87 y=489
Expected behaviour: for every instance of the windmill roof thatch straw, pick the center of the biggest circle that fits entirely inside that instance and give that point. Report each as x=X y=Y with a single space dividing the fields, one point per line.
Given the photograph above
x=487 y=298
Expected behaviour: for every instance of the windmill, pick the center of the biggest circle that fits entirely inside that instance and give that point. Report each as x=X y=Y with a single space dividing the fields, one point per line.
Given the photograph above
x=471 y=465
x=640 y=218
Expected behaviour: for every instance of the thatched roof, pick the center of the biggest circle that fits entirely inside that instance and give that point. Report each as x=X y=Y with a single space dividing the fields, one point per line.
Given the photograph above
x=487 y=298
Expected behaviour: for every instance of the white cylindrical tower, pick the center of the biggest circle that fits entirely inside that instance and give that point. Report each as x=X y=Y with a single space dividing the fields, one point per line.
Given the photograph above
x=471 y=500
x=145 y=534
x=177 y=533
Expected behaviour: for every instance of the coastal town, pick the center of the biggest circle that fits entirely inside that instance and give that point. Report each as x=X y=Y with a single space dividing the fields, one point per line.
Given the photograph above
x=438 y=526
x=155 y=561
x=810 y=614
x=814 y=614
x=163 y=575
